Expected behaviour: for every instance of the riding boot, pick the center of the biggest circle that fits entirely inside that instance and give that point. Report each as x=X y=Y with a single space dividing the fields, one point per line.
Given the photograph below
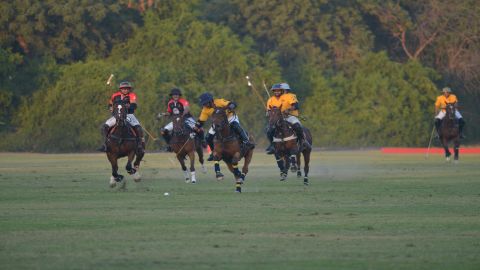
x=243 y=135
x=209 y=139
x=141 y=141
x=438 y=124
x=104 y=129
x=301 y=138
x=166 y=136
x=461 y=125
x=270 y=133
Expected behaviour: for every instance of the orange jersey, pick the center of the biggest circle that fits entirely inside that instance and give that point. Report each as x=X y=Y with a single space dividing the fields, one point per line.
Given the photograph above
x=442 y=101
x=207 y=112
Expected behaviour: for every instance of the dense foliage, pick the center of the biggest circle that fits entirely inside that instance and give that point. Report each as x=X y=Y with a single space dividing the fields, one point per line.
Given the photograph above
x=366 y=72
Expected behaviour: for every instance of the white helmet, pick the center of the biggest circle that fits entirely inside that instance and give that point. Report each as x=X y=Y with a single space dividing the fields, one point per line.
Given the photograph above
x=285 y=86
x=446 y=90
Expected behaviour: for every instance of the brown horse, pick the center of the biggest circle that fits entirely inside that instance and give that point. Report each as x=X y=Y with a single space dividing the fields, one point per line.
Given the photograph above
x=122 y=142
x=227 y=147
x=449 y=132
x=287 y=149
x=184 y=143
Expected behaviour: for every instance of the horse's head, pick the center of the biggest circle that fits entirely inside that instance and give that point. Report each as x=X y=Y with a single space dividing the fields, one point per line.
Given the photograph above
x=275 y=116
x=450 y=111
x=219 y=119
x=120 y=112
x=179 y=125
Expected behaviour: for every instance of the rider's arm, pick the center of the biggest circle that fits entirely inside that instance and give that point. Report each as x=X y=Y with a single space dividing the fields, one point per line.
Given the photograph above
x=438 y=103
x=202 y=118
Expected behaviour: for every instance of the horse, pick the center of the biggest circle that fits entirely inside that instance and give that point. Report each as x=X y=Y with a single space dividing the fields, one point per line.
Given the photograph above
x=227 y=147
x=287 y=150
x=185 y=142
x=449 y=131
x=123 y=142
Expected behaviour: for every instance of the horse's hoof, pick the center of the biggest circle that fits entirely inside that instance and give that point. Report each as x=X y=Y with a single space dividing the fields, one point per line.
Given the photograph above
x=194 y=181
x=447 y=159
x=219 y=176
x=283 y=176
x=305 y=181
x=187 y=180
x=293 y=169
x=238 y=187
x=119 y=178
x=113 y=183
x=132 y=171
x=137 y=176
x=299 y=174
x=242 y=177
x=204 y=169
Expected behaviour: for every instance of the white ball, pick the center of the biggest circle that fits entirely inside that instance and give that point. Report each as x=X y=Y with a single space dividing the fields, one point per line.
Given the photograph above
x=166 y=194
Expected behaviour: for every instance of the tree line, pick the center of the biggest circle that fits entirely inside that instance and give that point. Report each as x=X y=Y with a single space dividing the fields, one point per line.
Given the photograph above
x=366 y=72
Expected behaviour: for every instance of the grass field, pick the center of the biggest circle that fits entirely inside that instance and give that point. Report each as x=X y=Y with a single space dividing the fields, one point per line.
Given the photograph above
x=363 y=210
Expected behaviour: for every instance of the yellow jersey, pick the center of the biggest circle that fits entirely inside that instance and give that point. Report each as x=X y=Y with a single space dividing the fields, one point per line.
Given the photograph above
x=442 y=101
x=207 y=112
x=274 y=102
x=288 y=100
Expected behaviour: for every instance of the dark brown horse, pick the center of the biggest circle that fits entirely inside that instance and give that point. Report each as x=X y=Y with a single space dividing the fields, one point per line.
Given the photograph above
x=184 y=143
x=449 y=132
x=287 y=149
x=122 y=142
x=227 y=147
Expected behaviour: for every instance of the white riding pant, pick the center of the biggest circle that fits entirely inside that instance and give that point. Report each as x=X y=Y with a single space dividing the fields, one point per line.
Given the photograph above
x=442 y=114
x=233 y=118
x=190 y=122
x=292 y=119
x=131 y=119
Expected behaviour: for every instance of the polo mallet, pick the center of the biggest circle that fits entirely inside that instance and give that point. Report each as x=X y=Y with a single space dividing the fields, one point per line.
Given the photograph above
x=265 y=87
x=430 y=142
x=249 y=83
x=109 y=81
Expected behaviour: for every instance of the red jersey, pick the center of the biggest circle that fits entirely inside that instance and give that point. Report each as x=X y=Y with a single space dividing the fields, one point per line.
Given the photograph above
x=177 y=107
x=132 y=97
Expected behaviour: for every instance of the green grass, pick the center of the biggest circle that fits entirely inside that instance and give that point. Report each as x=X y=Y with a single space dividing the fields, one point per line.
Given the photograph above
x=363 y=210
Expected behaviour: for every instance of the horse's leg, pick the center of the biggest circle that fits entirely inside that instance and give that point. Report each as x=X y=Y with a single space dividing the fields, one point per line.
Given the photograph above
x=136 y=165
x=238 y=181
x=138 y=158
x=199 y=150
x=299 y=164
x=181 y=159
x=191 y=156
x=246 y=162
x=306 y=167
x=129 y=167
x=445 y=147
x=281 y=165
x=456 y=148
x=115 y=178
x=235 y=160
